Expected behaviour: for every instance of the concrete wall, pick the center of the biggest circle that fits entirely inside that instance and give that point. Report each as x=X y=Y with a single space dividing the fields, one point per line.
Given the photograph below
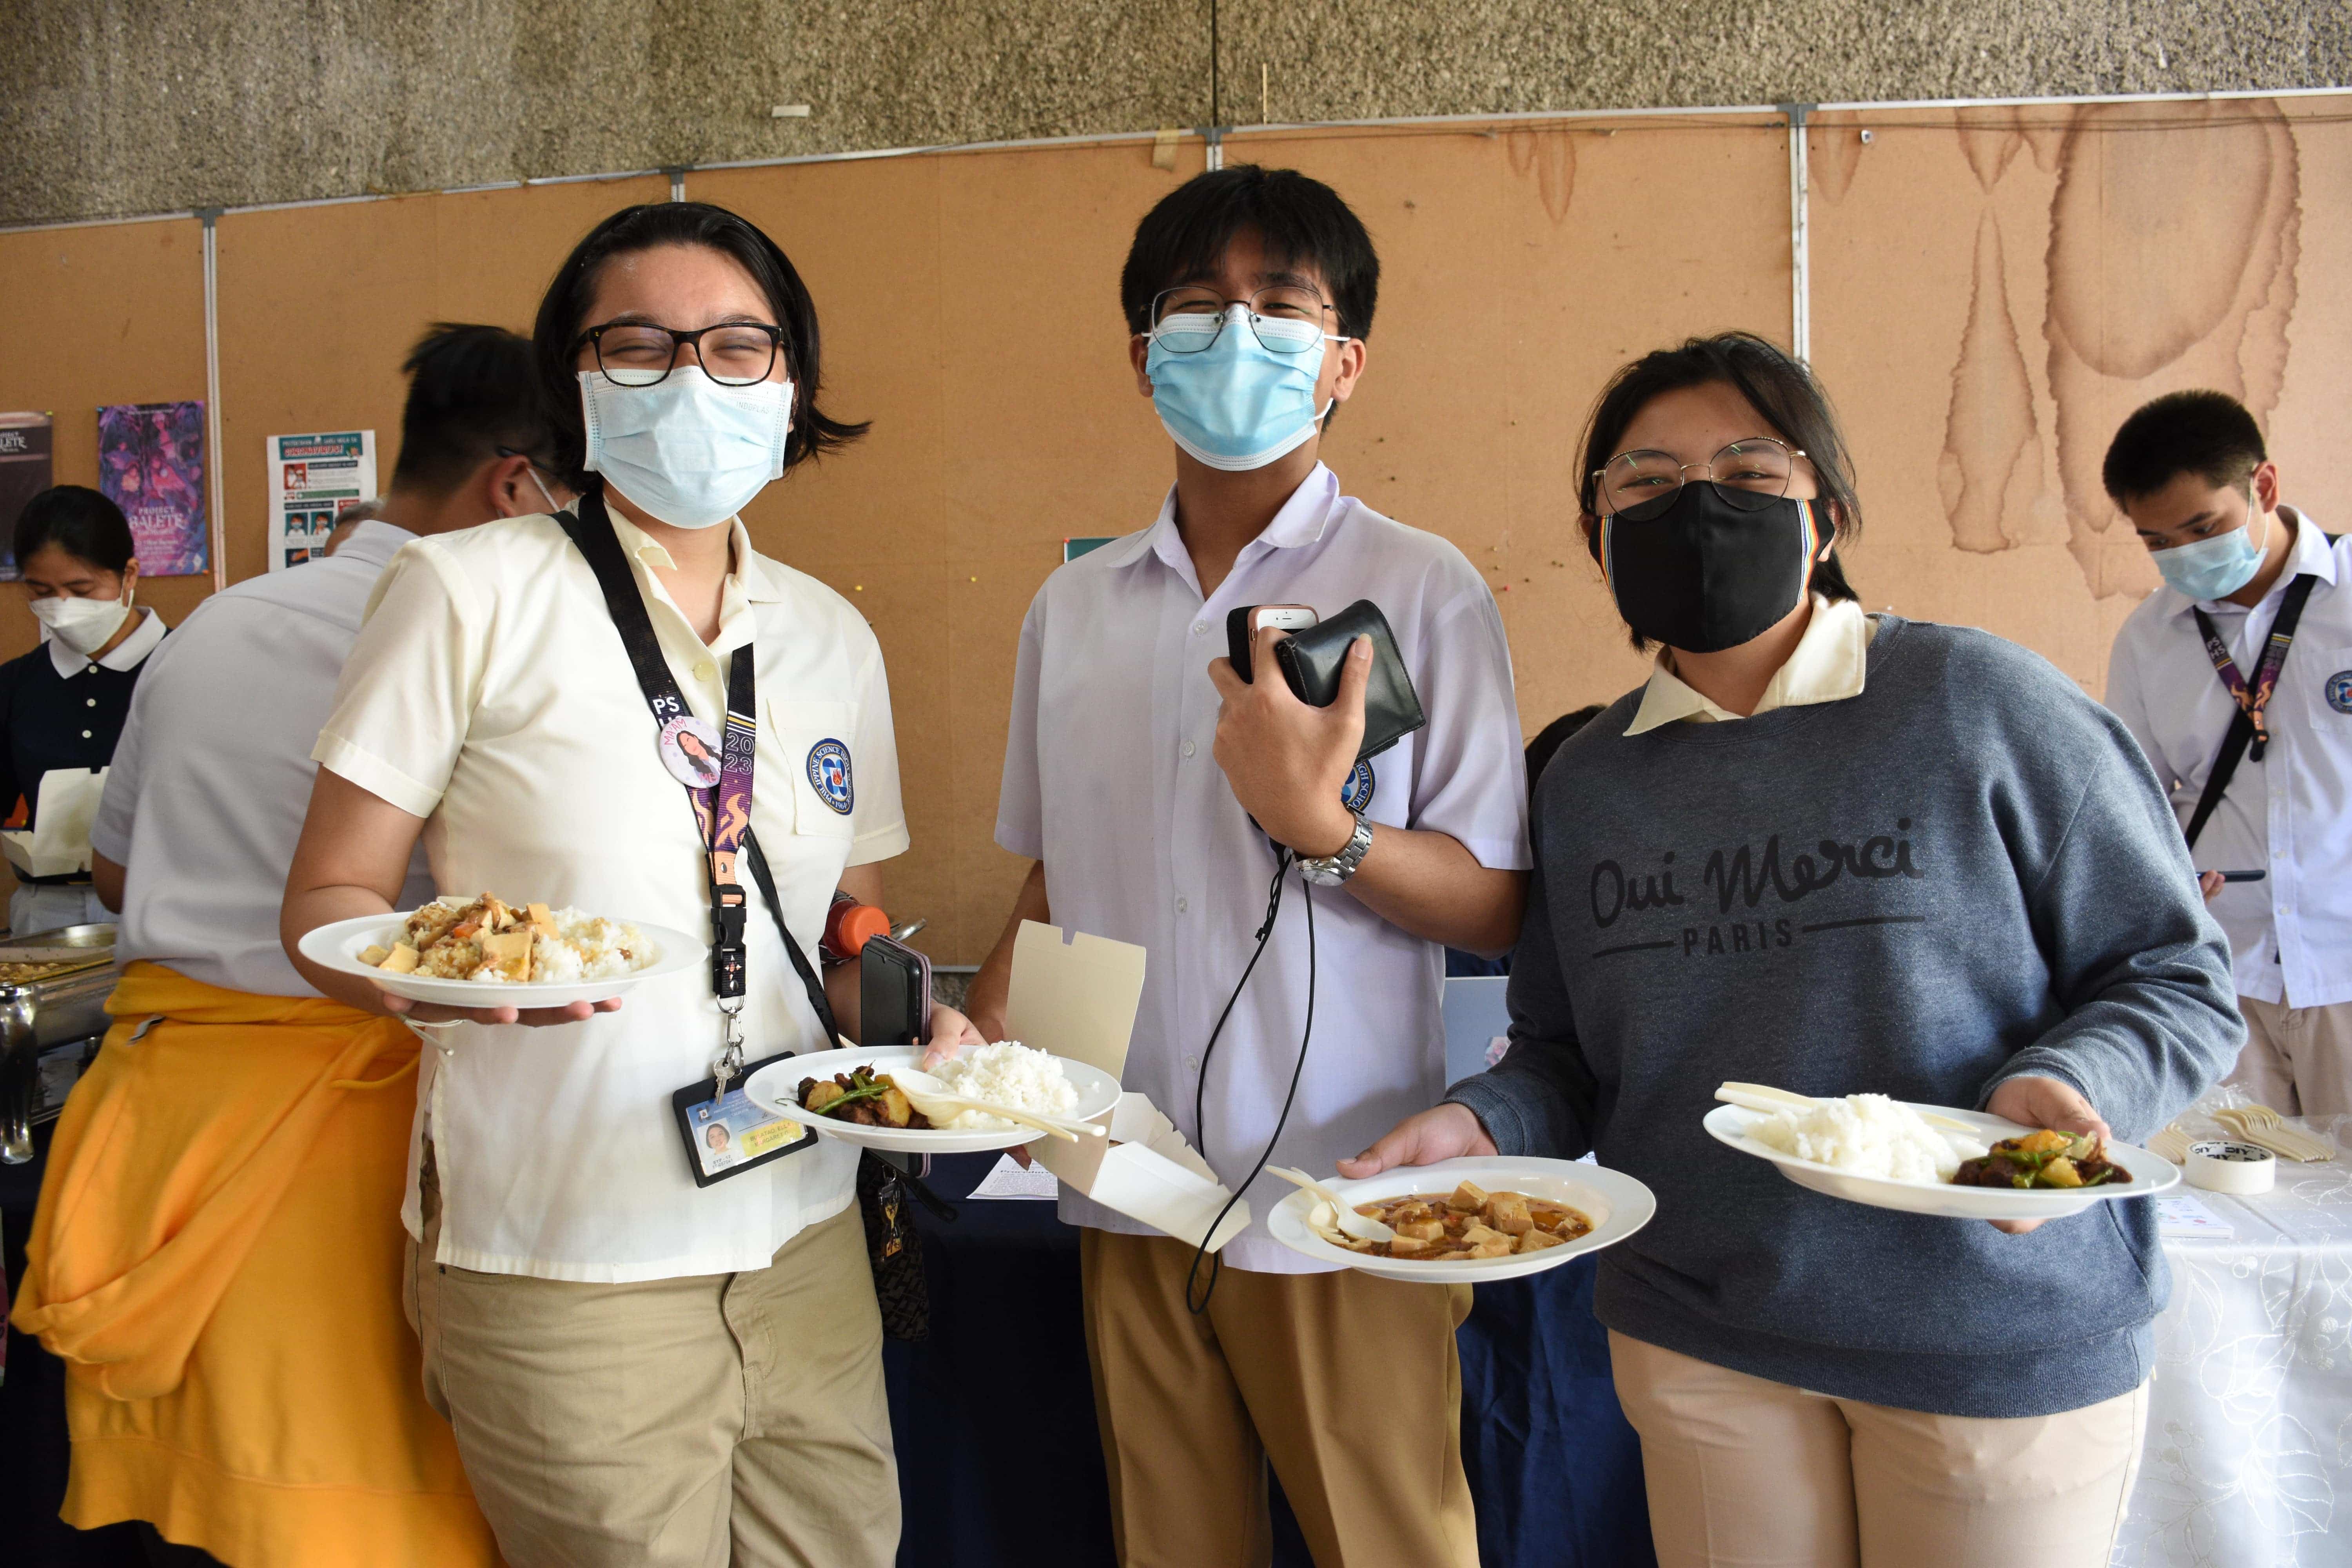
x=117 y=107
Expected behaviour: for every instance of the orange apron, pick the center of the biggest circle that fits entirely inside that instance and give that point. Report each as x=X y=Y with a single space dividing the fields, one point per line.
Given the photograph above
x=218 y=1259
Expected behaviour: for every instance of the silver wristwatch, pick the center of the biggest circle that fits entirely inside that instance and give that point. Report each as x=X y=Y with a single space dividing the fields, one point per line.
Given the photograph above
x=1330 y=870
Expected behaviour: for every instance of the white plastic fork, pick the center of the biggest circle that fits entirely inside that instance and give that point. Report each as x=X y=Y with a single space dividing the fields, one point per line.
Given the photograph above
x=1363 y=1227
x=936 y=1101
x=1765 y=1098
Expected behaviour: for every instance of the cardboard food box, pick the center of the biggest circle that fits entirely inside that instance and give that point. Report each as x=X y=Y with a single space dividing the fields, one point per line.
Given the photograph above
x=1076 y=998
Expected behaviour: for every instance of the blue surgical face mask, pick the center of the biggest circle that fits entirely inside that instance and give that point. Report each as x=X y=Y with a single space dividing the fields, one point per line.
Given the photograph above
x=1237 y=404
x=2218 y=567
x=689 y=450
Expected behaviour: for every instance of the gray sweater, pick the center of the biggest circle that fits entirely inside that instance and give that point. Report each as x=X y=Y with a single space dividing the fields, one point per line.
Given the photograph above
x=1965 y=874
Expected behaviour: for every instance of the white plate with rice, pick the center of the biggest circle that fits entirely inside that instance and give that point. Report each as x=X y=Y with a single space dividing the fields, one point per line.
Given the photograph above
x=615 y=956
x=1616 y=1203
x=1862 y=1149
x=1006 y=1073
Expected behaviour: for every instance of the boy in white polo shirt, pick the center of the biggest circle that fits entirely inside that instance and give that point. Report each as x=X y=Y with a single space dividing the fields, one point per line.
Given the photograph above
x=1152 y=786
x=2242 y=568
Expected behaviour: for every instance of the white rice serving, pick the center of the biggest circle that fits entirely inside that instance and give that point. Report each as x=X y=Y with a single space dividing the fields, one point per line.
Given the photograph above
x=1010 y=1074
x=1867 y=1134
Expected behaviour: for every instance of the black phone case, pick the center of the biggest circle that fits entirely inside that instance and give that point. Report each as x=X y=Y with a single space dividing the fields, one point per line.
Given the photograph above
x=902 y=966
x=1311 y=660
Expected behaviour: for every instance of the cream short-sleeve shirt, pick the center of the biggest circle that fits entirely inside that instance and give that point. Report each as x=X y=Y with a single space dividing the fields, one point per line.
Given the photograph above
x=490 y=693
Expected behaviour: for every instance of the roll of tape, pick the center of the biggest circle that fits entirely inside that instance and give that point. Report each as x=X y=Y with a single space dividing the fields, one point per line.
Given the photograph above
x=2235 y=1168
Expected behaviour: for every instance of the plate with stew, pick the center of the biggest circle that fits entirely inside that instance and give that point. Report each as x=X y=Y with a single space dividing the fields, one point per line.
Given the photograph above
x=1479 y=1217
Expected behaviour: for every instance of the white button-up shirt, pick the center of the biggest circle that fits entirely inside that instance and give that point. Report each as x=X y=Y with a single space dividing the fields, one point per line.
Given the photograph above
x=213 y=773
x=2290 y=813
x=490 y=694
x=1111 y=779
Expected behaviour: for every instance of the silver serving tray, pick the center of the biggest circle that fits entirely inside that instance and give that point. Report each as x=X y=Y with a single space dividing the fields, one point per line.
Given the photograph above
x=49 y=1011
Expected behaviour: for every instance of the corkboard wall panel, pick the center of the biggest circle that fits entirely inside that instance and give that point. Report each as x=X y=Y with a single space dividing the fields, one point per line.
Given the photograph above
x=319 y=305
x=1995 y=290
x=101 y=315
x=971 y=310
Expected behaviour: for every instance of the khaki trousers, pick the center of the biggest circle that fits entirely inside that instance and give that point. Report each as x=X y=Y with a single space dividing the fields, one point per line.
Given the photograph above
x=718 y=1419
x=1745 y=1472
x=2298 y=1060
x=1350 y=1384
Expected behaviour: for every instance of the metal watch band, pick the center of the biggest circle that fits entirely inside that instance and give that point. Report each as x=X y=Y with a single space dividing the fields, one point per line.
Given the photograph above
x=1330 y=871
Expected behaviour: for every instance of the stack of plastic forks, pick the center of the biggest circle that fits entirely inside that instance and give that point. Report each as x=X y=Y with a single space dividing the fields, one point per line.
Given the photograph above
x=2260 y=1125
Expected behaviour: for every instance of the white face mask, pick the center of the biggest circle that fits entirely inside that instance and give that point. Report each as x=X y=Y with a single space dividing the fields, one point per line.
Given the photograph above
x=686 y=450
x=82 y=625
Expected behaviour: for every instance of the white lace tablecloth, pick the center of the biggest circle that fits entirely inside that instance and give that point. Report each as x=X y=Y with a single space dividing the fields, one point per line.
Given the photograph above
x=2249 y=1459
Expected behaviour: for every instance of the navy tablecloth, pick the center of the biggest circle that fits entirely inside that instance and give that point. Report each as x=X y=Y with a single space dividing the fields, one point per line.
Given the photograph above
x=998 y=1462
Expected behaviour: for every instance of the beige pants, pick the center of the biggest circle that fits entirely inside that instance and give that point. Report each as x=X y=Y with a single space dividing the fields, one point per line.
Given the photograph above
x=2298 y=1060
x=1745 y=1472
x=724 y=1418
x=1348 y=1383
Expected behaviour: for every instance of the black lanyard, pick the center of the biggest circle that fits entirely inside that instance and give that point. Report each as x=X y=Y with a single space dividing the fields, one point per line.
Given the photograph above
x=723 y=813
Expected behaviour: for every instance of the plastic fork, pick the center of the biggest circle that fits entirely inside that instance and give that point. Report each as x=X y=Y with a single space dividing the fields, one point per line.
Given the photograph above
x=1363 y=1227
x=936 y=1101
x=2260 y=1125
x=1765 y=1098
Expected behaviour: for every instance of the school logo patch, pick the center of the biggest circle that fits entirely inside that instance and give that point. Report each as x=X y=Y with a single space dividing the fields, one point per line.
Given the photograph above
x=828 y=771
x=1357 y=792
x=2339 y=692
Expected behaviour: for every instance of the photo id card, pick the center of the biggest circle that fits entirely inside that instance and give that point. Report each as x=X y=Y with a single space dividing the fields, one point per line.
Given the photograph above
x=732 y=1134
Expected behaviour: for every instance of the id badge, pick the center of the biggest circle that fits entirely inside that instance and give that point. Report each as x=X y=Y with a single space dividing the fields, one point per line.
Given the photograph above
x=733 y=1134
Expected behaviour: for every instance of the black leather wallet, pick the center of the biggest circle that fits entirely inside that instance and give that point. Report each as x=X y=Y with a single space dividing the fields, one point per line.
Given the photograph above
x=1311 y=661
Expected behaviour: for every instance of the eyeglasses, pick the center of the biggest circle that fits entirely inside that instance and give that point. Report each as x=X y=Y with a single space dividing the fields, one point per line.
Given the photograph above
x=733 y=353
x=1286 y=319
x=1751 y=475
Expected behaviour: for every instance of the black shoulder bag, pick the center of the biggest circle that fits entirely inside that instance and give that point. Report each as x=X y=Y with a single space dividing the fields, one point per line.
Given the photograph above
x=2249 y=726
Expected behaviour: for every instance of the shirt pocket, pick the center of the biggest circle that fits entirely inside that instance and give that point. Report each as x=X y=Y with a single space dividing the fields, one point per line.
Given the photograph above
x=812 y=750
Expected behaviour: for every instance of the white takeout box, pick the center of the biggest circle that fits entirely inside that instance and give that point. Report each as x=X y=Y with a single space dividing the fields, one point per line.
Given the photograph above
x=1077 y=999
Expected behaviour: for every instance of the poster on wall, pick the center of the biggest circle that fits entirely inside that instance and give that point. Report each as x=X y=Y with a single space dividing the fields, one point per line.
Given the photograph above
x=24 y=474
x=150 y=463
x=312 y=479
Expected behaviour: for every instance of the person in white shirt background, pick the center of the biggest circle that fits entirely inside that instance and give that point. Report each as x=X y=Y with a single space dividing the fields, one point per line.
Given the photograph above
x=2191 y=472
x=62 y=705
x=1136 y=764
x=639 y=1370
x=299 y=1432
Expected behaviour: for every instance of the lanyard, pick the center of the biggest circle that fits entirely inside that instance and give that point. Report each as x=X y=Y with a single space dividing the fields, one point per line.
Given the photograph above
x=722 y=811
x=2252 y=702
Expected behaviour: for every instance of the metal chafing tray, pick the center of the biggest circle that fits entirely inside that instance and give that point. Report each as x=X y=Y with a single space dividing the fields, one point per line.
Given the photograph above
x=53 y=989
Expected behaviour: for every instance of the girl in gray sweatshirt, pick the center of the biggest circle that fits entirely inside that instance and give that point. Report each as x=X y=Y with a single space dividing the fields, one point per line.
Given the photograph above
x=1840 y=853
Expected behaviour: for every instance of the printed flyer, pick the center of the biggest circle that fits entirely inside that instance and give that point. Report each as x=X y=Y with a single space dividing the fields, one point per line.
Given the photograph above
x=312 y=479
x=24 y=474
x=150 y=463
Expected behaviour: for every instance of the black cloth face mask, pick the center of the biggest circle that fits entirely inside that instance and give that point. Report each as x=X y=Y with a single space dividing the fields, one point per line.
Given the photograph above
x=1704 y=575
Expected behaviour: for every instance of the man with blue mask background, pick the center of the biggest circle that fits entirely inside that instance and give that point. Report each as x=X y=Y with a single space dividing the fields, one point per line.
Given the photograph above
x=1150 y=785
x=2246 y=654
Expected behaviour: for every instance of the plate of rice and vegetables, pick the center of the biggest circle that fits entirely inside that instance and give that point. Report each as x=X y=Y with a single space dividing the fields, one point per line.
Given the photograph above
x=486 y=951
x=848 y=1095
x=1468 y=1219
x=1934 y=1159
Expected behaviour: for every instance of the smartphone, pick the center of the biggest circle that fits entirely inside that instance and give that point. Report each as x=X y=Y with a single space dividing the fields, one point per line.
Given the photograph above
x=893 y=996
x=1243 y=624
x=2243 y=876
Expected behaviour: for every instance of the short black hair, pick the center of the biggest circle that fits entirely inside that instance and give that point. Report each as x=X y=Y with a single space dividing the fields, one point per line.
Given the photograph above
x=1298 y=219
x=2208 y=434
x=1548 y=739
x=1779 y=387
x=562 y=317
x=79 y=521
x=473 y=396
